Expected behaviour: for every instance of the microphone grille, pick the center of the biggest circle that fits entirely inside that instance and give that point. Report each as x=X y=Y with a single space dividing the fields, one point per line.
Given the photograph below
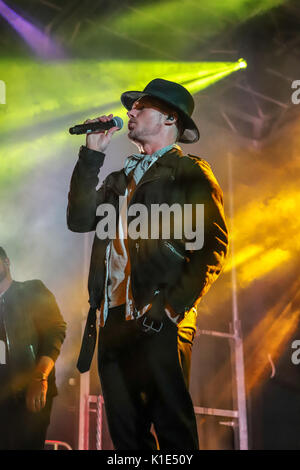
x=118 y=122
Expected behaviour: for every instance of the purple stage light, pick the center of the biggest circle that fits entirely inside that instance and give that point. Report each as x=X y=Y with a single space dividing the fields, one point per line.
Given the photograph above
x=39 y=42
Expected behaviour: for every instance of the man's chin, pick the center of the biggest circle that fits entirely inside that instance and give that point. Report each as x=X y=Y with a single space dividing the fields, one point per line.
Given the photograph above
x=132 y=136
x=3 y=276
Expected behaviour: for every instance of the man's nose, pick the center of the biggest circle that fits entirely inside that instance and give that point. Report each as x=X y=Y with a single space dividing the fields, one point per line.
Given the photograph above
x=131 y=113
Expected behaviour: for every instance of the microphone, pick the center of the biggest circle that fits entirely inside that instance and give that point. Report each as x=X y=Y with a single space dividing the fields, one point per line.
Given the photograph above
x=96 y=126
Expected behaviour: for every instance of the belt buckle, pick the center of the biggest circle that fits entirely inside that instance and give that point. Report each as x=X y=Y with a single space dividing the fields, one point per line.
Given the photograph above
x=151 y=327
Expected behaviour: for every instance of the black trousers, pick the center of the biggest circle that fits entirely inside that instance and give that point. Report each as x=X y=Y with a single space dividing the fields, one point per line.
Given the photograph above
x=21 y=429
x=144 y=381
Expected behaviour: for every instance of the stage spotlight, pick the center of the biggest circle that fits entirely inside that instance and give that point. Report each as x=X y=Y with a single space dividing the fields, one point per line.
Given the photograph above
x=242 y=63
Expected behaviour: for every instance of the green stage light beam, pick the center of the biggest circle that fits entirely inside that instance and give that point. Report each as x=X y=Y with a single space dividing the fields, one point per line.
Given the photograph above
x=44 y=100
x=39 y=92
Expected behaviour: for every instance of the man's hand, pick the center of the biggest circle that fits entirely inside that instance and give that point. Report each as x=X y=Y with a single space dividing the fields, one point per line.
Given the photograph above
x=99 y=140
x=36 y=395
x=38 y=386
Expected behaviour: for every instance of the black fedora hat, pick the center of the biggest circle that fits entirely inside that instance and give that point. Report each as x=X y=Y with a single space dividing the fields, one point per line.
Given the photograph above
x=176 y=96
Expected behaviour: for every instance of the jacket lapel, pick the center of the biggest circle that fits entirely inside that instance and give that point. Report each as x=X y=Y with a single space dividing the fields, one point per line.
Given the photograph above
x=164 y=166
x=117 y=182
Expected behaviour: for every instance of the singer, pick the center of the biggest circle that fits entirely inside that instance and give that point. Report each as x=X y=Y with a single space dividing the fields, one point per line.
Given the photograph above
x=147 y=290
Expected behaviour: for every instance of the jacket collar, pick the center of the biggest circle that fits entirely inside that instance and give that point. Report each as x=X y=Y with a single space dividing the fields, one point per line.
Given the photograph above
x=164 y=166
x=10 y=289
x=169 y=159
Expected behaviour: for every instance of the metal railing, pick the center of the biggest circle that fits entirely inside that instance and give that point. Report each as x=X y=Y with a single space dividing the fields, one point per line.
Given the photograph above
x=57 y=444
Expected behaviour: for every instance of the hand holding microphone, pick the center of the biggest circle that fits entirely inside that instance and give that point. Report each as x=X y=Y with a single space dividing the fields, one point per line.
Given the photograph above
x=99 y=134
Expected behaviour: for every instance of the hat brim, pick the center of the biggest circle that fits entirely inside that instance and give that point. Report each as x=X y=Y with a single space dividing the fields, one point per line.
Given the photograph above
x=191 y=132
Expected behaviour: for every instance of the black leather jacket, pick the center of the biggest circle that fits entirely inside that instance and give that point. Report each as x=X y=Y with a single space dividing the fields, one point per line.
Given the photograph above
x=183 y=276
x=34 y=327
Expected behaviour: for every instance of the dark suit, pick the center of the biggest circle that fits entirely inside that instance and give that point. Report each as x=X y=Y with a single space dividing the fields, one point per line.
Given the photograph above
x=33 y=327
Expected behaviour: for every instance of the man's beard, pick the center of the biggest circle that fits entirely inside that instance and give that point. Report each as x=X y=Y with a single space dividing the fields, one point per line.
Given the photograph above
x=3 y=274
x=134 y=137
x=139 y=135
